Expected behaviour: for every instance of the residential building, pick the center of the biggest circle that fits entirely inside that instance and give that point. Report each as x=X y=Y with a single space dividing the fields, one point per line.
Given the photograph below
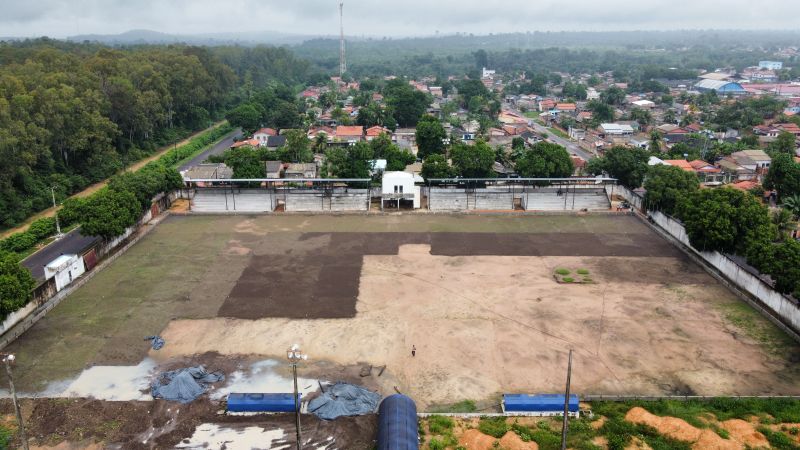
x=275 y=142
x=682 y=163
x=246 y=142
x=300 y=171
x=274 y=169
x=351 y=134
x=756 y=160
x=208 y=171
x=614 y=129
x=770 y=65
x=263 y=134
x=65 y=269
x=376 y=131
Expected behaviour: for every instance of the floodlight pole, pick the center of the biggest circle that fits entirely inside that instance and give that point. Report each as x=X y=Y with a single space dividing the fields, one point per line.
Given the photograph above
x=59 y=235
x=566 y=405
x=7 y=360
x=295 y=356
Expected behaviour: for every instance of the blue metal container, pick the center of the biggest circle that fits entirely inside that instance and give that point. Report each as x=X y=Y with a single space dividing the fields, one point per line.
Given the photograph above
x=238 y=402
x=541 y=403
x=397 y=424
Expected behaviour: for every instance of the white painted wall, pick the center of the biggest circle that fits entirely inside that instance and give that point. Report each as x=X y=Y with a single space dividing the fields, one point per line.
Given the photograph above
x=66 y=272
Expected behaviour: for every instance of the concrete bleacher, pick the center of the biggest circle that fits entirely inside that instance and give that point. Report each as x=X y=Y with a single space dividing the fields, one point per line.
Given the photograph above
x=237 y=200
x=447 y=199
x=494 y=199
x=549 y=200
x=311 y=201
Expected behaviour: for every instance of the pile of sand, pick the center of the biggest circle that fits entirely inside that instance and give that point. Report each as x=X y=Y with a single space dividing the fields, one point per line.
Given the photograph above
x=742 y=433
x=511 y=441
x=473 y=439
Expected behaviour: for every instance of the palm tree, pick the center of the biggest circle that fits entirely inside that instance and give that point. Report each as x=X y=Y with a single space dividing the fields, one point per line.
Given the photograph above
x=655 y=141
x=792 y=204
x=783 y=220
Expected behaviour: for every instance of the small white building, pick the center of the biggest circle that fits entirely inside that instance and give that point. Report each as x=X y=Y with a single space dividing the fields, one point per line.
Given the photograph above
x=647 y=104
x=399 y=186
x=65 y=269
x=770 y=65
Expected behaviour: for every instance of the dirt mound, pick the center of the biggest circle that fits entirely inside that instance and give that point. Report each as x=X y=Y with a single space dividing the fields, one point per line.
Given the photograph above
x=669 y=426
x=475 y=440
x=638 y=444
x=511 y=441
x=745 y=432
x=742 y=433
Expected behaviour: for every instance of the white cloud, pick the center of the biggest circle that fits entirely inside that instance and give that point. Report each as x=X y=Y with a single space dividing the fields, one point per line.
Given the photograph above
x=59 y=18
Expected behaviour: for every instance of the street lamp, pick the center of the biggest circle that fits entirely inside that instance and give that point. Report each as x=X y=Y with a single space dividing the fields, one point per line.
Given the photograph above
x=295 y=357
x=8 y=359
x=59 y=234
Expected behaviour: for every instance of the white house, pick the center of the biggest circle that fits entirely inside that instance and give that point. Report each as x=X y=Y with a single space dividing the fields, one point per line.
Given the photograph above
x=770 y=65
x=644 y=104
x=398 y=186
x=487 y=73
x=592 y=94
x=65 y=269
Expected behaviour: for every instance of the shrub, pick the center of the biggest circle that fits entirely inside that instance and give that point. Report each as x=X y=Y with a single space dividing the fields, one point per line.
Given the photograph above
x=562 y=271
x=567 y=280
x=18 y=242
x=42 y=228
x=436 y=444
x=583 y=272
x=440 y=424
x=493 y=426
x=777 y=439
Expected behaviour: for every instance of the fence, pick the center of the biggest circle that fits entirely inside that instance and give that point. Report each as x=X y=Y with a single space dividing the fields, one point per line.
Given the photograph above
x=785 y=310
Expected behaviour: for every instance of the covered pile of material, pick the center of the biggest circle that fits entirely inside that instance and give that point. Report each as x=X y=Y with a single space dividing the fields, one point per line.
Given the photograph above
x=344 y=399
x=184 y=385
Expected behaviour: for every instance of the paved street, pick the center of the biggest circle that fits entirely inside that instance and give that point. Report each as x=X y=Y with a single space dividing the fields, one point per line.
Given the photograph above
x=215 y=150
x=571 y=146
x=72 y=243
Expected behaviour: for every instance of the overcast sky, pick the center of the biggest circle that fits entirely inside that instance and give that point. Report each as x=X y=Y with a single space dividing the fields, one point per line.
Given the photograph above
x=61 y=18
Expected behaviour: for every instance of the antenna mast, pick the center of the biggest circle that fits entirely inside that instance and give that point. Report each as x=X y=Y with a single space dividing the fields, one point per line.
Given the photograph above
x=342 y=59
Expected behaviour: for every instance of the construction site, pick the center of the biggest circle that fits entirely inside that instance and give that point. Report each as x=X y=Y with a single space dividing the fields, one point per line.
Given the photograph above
x=489 y=304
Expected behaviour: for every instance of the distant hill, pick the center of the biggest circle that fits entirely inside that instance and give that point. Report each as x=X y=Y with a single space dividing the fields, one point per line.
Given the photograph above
x=211 y=39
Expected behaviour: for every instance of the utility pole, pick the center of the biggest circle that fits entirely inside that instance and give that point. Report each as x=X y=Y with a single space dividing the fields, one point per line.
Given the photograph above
x=59 y=235
x=295 y=356
x=342 y=59
x=566 y=405
x=7 y=360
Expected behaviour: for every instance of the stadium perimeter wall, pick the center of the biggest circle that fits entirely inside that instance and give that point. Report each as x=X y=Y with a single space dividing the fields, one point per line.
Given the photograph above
x=771 y=302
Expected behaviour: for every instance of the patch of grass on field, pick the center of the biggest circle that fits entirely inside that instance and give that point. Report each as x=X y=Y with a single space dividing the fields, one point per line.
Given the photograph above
x=583 y=272
x=563 y=271
x=778 y=440
x=755 y=326
x=567 y=279
x=464 y=406
x=493 y=426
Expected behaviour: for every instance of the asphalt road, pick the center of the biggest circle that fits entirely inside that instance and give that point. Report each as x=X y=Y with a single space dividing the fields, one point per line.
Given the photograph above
x=571 y=146
x=72 y=243
x=215 y=150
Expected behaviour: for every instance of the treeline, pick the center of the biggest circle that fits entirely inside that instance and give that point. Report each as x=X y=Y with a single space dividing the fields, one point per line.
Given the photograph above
x=74 y=114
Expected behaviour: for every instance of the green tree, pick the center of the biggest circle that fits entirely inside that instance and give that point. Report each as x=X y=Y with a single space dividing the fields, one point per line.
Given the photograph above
x=613 y=96
x=245 y=161
x=108 y=213
x=666 y=184
x=430 y=136
x=628 y=165
x=246 y=116
x=642 y=116
x=16 y=284
x=473 y=161
x=436 y=166
x=601 y=112
x=726 y=220
x=406 y=104
x=783 y=175
x=350 y=162
x=784 y=143
x=545 y=160
x=298 y=146
x=792 y=204
x=783 y=265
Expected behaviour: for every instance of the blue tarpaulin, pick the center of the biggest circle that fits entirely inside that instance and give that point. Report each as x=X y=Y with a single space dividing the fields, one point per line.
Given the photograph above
x=184 y=385
x=343 y=399
x=157 y=342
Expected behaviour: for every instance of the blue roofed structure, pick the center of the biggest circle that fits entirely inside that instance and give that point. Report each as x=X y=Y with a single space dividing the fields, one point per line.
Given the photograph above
x=397 y=424
x=720 y=87
x=539 y=404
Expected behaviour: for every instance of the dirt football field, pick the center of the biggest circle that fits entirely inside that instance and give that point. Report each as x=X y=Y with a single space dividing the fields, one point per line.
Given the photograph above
x=492 y=304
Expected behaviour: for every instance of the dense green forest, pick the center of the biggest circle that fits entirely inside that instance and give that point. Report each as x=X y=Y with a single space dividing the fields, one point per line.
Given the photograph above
x=73 y=114
x=622 y=52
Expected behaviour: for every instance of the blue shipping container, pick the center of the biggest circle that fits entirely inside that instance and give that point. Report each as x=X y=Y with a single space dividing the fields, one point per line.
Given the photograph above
x=261 y=402
x=397 y=424
x=547 y=403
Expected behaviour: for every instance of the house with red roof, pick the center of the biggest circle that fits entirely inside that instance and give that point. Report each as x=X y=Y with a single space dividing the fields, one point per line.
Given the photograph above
x=376 y=131
x=349 y=133
x=682 y=163
x=566 y=107
x=246 y=142
x=547 y=104
x=262 y=135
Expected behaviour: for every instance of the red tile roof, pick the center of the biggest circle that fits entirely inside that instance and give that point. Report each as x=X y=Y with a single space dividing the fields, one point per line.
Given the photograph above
x=349 y=131
x=744 y=185
x=250 y=142
x=682 y=163
x=377 y=131
x=567 y=106
x=702 y=166
x=268 y=131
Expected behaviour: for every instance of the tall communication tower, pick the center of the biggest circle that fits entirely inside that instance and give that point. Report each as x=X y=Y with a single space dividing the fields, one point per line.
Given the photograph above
x=342 y=59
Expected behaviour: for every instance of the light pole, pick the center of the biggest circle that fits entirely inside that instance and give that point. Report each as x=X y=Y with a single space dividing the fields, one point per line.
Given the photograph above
x=59 y=235
x=295 y=357
x=8 y=359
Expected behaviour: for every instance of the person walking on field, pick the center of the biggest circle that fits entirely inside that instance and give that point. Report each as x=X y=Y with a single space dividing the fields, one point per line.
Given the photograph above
x=413 y=351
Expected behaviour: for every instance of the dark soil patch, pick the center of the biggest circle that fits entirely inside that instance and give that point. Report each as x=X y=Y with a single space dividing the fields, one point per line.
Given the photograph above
x=321 y=281
x=164 y=424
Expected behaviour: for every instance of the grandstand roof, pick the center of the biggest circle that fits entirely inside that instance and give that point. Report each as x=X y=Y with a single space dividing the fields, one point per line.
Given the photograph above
x=718 y=85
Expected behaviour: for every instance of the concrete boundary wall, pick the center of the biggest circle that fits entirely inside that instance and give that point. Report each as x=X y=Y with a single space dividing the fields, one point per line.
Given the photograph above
x=783 y=310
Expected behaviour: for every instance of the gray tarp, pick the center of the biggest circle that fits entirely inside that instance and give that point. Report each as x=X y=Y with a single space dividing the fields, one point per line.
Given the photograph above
x=344 y=399
x=184 y=385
